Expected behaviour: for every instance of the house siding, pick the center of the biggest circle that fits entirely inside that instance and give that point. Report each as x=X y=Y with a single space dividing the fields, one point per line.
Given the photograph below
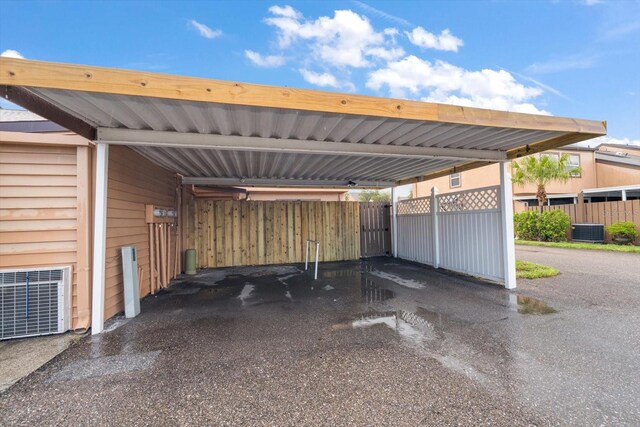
x=133 y=182
x=39 y=213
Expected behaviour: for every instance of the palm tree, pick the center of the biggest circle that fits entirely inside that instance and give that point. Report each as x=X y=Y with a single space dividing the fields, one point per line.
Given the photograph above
x=541 y=171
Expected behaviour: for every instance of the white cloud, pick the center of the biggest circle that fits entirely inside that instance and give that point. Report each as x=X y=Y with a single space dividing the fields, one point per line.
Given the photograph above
x=285 y=11
x=344 y=40
x=10 y=53
x=205 y=31
x=325 y=79
x=320 y=79
x=442 y=82
x=266 y=61
x=445 y=41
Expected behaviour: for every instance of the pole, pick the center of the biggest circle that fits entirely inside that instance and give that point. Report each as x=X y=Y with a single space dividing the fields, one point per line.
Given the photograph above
x=99 y=238
x=506 y=215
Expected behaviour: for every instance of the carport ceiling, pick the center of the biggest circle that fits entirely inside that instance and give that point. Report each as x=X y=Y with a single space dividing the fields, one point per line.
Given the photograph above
x=226 y=133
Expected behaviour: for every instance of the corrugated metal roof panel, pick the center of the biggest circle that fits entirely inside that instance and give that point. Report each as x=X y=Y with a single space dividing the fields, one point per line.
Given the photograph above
x=159 y=114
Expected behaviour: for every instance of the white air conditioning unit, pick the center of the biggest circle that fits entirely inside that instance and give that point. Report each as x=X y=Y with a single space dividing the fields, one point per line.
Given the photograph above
x=35 y=302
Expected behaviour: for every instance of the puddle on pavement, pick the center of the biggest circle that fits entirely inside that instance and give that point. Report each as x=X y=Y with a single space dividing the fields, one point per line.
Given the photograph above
x=529 y=305
x=408 y=325
x=373 y=292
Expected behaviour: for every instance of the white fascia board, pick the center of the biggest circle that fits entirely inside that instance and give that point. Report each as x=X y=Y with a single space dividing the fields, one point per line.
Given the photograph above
x=605 y=189
x=135 y=137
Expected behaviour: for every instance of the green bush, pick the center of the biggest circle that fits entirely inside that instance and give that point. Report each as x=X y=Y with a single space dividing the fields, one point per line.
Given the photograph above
x=623 y=229
x=550 y=226
x=554 y=226
x=525 y=225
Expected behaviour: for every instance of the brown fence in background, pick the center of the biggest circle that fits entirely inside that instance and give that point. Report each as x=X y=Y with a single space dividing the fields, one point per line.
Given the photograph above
x=375 y=237
x=606 y=213
x=237 y=233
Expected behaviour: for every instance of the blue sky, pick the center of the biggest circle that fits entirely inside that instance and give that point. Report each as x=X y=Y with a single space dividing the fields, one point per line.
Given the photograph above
x=578 y=58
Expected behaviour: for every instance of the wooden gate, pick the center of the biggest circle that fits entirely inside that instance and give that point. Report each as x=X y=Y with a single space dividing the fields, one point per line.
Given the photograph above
x=236 y=233
x=375 y=223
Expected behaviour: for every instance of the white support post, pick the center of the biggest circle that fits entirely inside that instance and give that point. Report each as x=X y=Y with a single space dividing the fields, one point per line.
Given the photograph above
x=394 y=221
x=624 y=195
x=506 y=215
x=435 y=231
x=99 y=238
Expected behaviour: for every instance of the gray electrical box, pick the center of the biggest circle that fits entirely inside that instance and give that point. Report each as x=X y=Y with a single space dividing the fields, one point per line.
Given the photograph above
x=131 y=285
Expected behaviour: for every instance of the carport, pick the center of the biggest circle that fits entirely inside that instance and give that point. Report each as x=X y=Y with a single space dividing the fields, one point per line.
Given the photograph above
x=214 y=132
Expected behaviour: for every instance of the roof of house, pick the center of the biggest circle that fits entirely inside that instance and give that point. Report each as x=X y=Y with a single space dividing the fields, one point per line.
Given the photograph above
x=618 y=158
x=26 y=121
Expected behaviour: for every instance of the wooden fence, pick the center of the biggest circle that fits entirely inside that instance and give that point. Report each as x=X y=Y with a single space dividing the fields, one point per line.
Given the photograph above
x=606 y=213
x=237 y=233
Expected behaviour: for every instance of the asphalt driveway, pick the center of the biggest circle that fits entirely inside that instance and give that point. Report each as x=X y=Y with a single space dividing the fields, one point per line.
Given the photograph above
x=379 y=342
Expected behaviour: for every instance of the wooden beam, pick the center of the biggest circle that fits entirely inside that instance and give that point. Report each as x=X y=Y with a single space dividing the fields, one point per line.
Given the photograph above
x=38 y=74
x=35 y=104
x=133 y=137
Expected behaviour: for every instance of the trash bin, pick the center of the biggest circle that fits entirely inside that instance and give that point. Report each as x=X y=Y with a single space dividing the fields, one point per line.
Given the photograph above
x=190 y=261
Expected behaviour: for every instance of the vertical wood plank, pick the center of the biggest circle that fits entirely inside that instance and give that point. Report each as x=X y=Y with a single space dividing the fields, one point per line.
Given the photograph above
x=220 y=235
x=261 y=234
x=228 y=233
x=244 y=233
x=297 y=244
x=291 y=230
x=210 y=235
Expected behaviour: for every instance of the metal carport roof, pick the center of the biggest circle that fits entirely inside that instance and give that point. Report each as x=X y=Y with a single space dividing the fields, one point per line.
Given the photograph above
x=227 y=133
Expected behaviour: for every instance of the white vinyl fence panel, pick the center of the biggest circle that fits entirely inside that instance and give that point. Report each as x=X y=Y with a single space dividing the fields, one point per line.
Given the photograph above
x=414 y=230
x=469 y=232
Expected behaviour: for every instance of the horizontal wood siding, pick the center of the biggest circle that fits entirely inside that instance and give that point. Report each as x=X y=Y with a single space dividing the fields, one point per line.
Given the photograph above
x=236 y=233
x=133 y=182
x=38 y=216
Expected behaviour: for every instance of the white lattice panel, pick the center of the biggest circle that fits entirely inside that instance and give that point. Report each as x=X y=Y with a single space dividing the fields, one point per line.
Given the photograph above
x=483 y=199
x=415 y=206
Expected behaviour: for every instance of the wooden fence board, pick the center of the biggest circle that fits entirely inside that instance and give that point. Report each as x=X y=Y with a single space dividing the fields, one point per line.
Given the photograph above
x=606 y=213
x=235 y=233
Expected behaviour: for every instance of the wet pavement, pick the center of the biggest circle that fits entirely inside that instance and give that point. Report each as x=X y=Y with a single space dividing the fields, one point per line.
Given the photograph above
x=377 y=342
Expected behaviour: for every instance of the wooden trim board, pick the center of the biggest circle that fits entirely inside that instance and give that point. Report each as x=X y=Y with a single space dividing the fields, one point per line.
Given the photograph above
x=39 y=74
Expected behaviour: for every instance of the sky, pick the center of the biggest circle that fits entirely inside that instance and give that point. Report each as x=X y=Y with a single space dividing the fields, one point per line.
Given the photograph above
x=576 y=58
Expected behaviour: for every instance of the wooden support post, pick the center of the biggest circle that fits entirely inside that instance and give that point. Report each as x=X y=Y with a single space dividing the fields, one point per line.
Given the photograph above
x=169 y=255
x=580 y=208
x=152 y=256
x=83 y=202
x=156 y=231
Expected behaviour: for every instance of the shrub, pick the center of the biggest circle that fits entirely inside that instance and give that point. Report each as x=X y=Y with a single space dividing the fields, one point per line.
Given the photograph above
x=550 y=226
x=554 y=226
x=525 y=225
x=623 y=229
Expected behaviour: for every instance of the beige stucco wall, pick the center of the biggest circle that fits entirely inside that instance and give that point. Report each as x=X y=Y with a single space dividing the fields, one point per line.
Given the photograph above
x=610 y=175
x=490 y=175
